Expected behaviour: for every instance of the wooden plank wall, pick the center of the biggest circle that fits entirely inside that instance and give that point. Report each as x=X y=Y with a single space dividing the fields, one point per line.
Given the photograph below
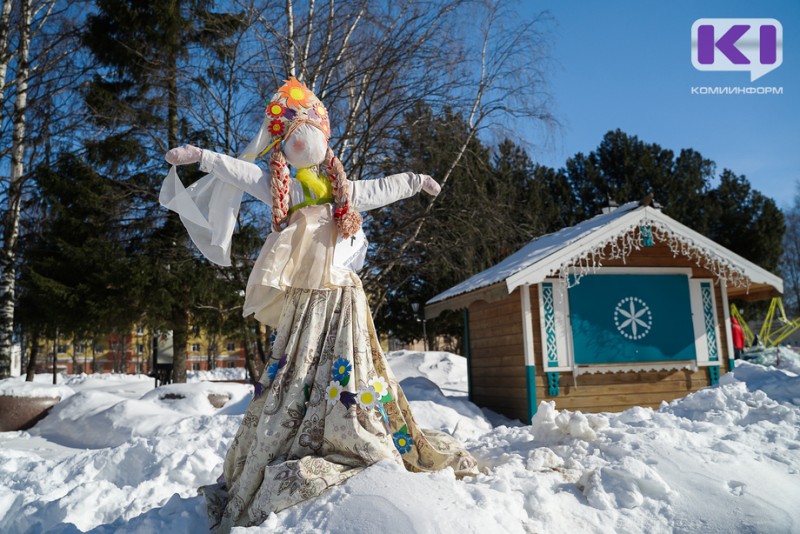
x=615 y=392
x=498 y=365
x=497 y=356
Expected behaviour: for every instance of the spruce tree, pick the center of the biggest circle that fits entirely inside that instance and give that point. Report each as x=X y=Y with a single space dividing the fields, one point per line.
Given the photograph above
x=76 y=278
x=143 y=47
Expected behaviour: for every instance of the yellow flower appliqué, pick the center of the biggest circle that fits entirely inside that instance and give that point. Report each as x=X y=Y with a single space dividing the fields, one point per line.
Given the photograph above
x=333 y=391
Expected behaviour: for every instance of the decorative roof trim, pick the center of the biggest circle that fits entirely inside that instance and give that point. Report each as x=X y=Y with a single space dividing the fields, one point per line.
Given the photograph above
x=586 y=254
x=490 y=293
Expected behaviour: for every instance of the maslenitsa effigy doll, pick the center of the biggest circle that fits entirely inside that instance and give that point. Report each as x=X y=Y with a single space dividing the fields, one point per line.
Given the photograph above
x=327 y=404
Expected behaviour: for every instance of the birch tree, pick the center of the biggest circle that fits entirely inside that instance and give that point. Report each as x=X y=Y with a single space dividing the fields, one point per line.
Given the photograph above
x=502 y=85
x=369 y=62
x=37 y=43
x=14 y=191
x=5 y=55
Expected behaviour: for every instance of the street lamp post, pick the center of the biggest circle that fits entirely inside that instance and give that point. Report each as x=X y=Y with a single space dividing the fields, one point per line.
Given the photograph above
x=415 y=309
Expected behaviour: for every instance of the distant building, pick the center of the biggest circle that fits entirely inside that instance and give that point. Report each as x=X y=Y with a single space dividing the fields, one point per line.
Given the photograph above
x=132 y=352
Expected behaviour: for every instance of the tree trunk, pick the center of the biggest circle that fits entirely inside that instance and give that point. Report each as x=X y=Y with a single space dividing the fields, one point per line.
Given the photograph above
x=55 y=359
x=212 y=351
x=249 y=360
x=5 y=57
x=14 y=195
x=180 y=335
x=123 y=356
x=180 y=322
x=31 y=372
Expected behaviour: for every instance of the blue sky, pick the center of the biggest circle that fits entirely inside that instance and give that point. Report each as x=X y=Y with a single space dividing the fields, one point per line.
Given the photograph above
x=627 y=64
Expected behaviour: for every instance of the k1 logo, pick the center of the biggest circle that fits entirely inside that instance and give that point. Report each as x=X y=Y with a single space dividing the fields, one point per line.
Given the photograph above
x=754 y=45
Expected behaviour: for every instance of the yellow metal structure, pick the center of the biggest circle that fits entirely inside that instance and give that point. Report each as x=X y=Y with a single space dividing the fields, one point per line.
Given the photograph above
x=772 y=336
x=749 y=337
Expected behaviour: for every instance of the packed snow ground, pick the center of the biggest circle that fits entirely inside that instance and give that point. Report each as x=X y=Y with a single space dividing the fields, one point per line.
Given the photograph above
x=118 y=456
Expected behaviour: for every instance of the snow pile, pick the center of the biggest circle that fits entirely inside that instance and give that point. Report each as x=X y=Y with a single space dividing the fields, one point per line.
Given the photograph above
x=17 y=387
x=222 y=373
x=119 y=456
x=786 y=358
x=446 y=370
x=76 y=421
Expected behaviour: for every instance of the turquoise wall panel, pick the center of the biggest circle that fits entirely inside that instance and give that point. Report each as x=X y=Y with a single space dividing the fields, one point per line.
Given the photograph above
x=631 y=318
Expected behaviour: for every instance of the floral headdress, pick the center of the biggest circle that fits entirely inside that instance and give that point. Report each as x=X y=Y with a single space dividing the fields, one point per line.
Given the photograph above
x=294 y=103
x=292 y=106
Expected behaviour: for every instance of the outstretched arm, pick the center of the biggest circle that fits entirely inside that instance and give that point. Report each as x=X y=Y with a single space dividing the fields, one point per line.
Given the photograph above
x=371 y=194
x=239 y=173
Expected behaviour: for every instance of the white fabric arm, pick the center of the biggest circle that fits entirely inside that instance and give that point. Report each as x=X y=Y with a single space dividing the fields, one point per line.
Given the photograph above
x=371 y=194
x=241 y=174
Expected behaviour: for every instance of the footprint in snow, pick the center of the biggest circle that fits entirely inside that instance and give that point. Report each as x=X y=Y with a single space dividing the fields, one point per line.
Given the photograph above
x=736 y=487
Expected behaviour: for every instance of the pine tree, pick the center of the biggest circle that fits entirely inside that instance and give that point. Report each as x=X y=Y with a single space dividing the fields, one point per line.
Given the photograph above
x=144 y=46
x=745 y=221
x=492 y=206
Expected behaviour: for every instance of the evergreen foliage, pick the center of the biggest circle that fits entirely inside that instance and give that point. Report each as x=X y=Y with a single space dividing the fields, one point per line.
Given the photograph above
x=790 y=261
x=143 y=45
x=80 y=260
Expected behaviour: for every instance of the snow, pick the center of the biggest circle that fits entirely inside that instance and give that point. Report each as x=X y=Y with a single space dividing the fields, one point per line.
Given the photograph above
x=235 y=373
x=120 y=456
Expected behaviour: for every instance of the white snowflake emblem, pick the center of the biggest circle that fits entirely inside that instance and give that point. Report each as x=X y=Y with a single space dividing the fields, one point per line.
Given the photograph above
x=633 y=318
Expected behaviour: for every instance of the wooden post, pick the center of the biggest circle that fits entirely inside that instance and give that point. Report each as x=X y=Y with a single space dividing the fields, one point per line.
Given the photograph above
x=527 y=340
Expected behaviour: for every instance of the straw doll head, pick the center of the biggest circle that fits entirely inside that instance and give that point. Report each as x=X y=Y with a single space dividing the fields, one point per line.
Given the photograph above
x=296 y=129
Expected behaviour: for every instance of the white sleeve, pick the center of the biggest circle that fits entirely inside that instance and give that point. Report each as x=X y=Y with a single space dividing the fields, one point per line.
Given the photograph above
x=239 y=173
x=371 y=194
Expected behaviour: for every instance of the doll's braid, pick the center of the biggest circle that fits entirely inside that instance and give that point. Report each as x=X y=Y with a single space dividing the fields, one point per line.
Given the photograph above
x=280 y=188
x=347 y=219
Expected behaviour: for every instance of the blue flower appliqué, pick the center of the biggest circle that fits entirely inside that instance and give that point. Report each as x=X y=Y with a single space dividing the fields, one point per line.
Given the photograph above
x=274 y=367
x=272 y=370
x=402 y=440
x=341 y=370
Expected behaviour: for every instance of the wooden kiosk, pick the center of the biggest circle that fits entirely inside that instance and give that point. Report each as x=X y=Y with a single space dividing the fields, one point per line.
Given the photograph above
x=629 y=308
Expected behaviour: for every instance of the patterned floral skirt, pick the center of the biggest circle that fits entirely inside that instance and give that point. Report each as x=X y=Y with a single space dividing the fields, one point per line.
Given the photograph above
x=326 y=407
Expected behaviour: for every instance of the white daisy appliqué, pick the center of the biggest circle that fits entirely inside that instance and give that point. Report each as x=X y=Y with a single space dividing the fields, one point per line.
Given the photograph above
x=333 y=391
x=380 y=386
x=367 y=398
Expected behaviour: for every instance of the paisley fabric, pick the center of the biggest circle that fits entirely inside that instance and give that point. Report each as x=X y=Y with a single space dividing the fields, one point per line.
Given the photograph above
x=326 y=407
